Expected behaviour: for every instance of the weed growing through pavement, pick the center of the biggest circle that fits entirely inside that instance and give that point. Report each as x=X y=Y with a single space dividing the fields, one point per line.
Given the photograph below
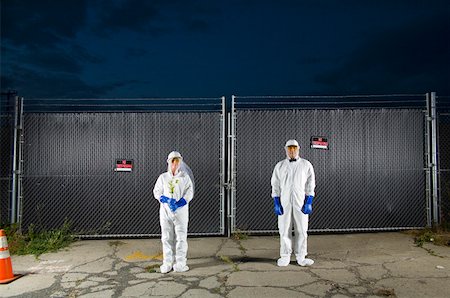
x=151 y=268
x=228 y=260
x=240 y=235
x=37 y=242
x=116 y=243
x=436 y=235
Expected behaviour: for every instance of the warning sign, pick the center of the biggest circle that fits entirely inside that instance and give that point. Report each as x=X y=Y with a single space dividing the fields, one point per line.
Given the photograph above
x=319 y=143
x=124 y=165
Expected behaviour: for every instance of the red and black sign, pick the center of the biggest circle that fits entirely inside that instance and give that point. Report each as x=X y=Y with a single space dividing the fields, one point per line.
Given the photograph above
x=123 y=165
x=319 y=143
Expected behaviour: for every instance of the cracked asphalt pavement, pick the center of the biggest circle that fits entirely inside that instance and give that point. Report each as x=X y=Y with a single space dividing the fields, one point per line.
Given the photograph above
x=346 y=265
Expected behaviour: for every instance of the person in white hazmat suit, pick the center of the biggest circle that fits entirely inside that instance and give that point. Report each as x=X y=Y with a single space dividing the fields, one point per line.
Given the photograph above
x=174 y=190
x=293 y=184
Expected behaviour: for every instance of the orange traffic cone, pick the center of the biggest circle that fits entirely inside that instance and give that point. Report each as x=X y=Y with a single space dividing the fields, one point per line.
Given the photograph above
x=6 y=273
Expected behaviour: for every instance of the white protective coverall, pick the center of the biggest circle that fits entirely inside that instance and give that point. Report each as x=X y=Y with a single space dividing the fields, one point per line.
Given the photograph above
x=174 y=225
x=291 y=181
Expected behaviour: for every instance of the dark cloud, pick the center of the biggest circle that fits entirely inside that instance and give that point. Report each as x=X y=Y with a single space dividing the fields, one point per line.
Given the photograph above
x=41 y=23
x=38 y=41
x=83 y=55
x=152 y=17
x=195 y=25
x=414 y=58
x=34 y=84
x=202 y=46
x=50 y=60
x=136 y=52
x=131 y=15
x=56 y=59
x=43 y=37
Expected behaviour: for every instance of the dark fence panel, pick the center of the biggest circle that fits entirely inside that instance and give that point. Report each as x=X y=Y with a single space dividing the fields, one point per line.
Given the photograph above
x=5 y=165
x=444 y=165
x=371 y=177
x=6 y=141
x=70 y=160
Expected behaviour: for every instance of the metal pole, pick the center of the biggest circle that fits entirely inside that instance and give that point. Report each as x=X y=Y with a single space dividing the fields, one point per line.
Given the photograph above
x=229 y=177
x=13 y=198
x=427 y=162
x=20 y=164
x=222 y=168
x=434 y=173
x=233 y=166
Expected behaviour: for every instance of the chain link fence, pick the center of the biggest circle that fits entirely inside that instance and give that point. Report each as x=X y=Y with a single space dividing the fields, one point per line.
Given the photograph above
x=443 y=104
x=69 y=170
x=6 y=141
x=370 y=178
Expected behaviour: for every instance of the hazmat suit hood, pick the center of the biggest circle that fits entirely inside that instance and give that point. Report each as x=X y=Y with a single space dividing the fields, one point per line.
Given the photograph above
x=182 y=166
x=172 y=155
x=292 y=143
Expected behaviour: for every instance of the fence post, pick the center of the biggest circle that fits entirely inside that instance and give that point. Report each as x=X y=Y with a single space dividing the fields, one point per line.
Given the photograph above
x=232 y=170
x=16 y=159
x=223 y=190
x=20 y=165
x=436 y=210
x=432 y=156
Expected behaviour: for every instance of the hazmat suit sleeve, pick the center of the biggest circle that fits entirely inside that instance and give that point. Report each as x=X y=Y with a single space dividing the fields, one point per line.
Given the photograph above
x=310 y=184
x=158 y=190
x=276 y=192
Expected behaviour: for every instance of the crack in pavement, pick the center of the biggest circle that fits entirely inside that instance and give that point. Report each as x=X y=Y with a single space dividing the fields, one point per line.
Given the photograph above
x=113 y=276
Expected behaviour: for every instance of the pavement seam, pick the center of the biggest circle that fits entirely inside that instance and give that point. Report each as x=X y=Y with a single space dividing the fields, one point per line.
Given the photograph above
x=221 y=245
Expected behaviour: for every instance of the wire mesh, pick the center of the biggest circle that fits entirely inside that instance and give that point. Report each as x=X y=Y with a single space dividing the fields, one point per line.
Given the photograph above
x=6 y=141
x=371 y=177
x=5 y=164
x=444 y=165
x=69 y=170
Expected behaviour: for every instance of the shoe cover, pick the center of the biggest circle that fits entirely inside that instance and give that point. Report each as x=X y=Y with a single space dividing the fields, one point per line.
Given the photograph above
x=180 y=268
x=305 y=262
x=165 y=268
x=283 y=262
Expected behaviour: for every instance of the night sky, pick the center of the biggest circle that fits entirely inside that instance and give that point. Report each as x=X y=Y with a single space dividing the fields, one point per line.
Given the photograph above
x=124 y=49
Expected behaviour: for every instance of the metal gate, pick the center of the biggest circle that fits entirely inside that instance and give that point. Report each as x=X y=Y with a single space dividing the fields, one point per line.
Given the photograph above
x=371 y=178
x=379 y=172
x=443 y=105
x=10 y=156
x=70 y=161
x=6 y=136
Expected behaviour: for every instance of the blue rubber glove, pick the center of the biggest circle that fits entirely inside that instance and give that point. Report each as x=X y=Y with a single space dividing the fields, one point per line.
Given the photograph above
x=164 y=199
x=174 y=204
x=307 y=205
x=277 y=206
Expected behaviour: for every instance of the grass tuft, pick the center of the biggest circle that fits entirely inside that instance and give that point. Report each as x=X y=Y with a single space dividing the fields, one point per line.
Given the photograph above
x=228 y=260
x=239 y=235
x=436 y=235
x=38 y=242
x=115 y=243
x=152 y=268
